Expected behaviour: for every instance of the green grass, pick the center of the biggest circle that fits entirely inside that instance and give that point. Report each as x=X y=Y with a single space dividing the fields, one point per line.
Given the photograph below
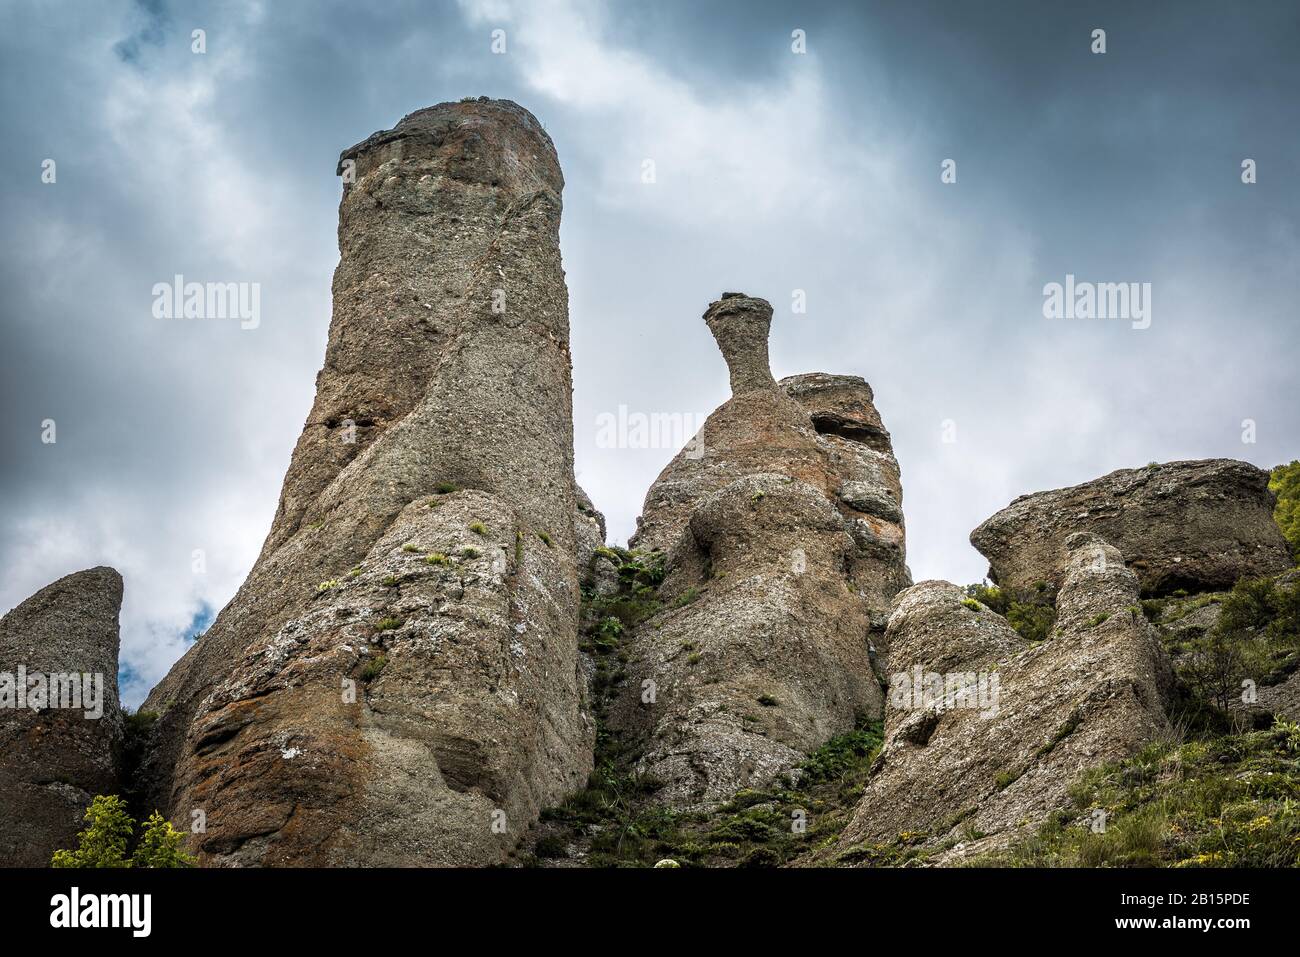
x=388 y=624
x=1229 y=801
x=804 y=811
x=373 y=668
x=686 y=597
x=478 y=528
x=436 y=558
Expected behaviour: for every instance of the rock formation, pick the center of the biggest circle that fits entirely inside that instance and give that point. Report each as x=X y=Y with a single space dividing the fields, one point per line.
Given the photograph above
x=55 y=753
x=781 y=526
x=399 y=681
x=396 y=682
x=1198 y=525
x=985 y=732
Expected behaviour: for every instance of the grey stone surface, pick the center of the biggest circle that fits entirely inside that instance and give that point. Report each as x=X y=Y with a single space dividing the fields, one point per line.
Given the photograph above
x=1196 y=525
x=773 y=575
x=448 y=362
x=1095 y=691
x=55 y=760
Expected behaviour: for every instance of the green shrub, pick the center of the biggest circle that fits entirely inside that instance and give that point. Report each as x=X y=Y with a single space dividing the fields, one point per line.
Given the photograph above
x=686 y=597
x=103 y=843
x=478 y=528
x=388 y=624
x=1029 y=612
x=160 y=845
x=374 y=667
x=1256 y=638
x=1285 y=484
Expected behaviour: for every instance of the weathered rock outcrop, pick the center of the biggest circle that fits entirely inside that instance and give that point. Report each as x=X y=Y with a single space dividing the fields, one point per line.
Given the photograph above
x=782 y=528
x=1033 y=717
x=396 y=681
x=1198 y=525
x=59 y=747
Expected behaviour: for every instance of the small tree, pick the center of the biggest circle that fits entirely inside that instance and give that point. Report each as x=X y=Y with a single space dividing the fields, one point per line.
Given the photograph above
x=103 y=842
x=1258 y=629
x=160 y=845
x=1219 y=661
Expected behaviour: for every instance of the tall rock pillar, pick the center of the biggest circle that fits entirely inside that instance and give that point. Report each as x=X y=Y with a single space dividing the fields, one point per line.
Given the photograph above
x=60 y=723
x=396 y=681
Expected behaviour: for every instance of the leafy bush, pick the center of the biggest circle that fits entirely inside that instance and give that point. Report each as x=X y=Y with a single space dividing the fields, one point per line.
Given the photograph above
x=108 y=832
x=160 y=845
x=1030 y=613
x=1256 y=638
x=1285 y=483
x=374 y=667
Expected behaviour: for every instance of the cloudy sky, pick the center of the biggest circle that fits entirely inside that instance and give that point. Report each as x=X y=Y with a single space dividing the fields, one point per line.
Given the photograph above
x=775 y=172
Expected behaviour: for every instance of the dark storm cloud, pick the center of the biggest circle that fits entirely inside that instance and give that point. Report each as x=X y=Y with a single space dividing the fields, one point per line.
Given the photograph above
x=150 y=33
x=776 y=172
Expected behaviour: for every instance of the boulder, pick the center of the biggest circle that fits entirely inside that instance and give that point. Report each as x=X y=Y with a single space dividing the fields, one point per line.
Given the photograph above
x=447 y=369
x=984 y=732
x=58 y=749
x=1196 y=525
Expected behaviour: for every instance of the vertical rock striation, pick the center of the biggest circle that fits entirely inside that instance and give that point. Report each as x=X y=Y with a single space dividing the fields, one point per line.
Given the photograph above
x=53 y=758
x=396 y=682
x=782 y=530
